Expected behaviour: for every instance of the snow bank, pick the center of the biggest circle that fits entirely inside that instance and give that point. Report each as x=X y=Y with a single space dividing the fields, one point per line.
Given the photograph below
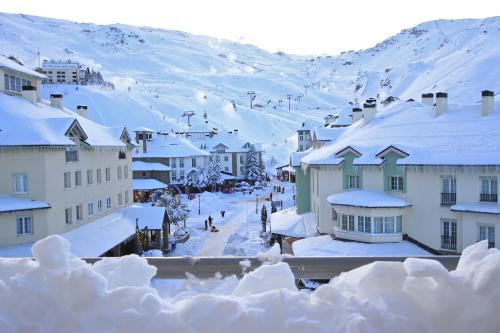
x=61 y=293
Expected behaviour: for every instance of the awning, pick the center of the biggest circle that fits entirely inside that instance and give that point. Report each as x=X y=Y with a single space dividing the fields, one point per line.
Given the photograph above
x=367 y=199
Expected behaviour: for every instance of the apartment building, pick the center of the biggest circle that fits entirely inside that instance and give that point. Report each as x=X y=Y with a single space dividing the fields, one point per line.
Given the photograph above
x=304 y=134
x=61 y=173
x=59 y=71
x=14 y=76
x=385 y=178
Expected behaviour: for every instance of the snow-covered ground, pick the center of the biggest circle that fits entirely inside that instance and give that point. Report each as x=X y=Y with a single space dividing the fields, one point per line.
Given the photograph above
x=59 y=292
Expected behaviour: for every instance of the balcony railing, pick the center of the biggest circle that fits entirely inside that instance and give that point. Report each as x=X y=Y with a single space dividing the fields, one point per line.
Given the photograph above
x=487 y=197
x=448 y=199
x=448 y=242
x=323 y=268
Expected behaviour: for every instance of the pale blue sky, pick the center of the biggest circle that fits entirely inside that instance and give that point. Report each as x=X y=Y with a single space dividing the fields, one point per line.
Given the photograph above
x=293 y=26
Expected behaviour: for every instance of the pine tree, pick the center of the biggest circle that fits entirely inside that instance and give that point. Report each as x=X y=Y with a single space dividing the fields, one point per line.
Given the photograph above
x=214 y=172
x=252 y=166
x=177 y=210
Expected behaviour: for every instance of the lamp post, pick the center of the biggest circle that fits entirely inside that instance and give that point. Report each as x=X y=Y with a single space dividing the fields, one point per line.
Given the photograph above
x=199 y=204
x=256 y=204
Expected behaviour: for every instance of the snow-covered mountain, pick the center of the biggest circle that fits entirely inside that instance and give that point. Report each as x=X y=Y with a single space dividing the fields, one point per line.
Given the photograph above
x=169 y=72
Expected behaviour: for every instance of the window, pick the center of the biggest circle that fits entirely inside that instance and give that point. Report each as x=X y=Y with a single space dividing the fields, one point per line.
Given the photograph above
x=193 y=162
x=119 y=172
x=99 y=205
x=344 y=222
x=301 y=148
x=241 y=159
x=397 y=183
x=174 y=175
x=122 y=155
x=108 y=202
x=20 y=181
x=78 y=178
x=351 y=222
x=368 y=225
x=108 y=174
x=181 y=163
x=120 y=199
x=389 y=225
x=99 y=176
x=361 y=224
x=352 y=182
x=348 y=222
x=226 y=169
x=334 y=214
x=448 y=234
x=242 y=169
x=449 y=191
x=71 y=154
x=6 y=81
x=226 y=158
x=90 y=177
x=79 y=212
x=399 y=224
x=487 y=232
x=67 y=180
x=379 y=225
x=126 y=197
x=489 y=189
x=24 y=225
x=68 y=215
x=182 y=174
x=301 y=137
x=174 y=163
x=125 y=171
x=90 y=209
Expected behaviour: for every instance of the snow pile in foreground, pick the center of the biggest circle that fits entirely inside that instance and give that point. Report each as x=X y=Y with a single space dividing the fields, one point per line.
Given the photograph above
x=61 y=293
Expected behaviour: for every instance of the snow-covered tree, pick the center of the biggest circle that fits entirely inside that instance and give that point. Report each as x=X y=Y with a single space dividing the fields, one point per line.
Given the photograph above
x=253 y=171
x=177 y=210
x=196 y=178
x=213 y=173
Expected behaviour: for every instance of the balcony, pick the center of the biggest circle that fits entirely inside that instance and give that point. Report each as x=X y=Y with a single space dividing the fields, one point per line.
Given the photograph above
x=448 y=199
x=487 y=197
x=449 y=242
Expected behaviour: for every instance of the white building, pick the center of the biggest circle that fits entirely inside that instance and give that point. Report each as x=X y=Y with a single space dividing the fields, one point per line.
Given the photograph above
x=410 y=170
x=14 y=77
x=59 y=71
x=304 y=136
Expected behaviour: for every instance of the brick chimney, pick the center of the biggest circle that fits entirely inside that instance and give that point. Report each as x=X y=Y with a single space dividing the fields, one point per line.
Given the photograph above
x=441 y=103
x=487 y=102
x=81 y=110
x=29 y=93
x=356 y=114
x=428 y=99
x=56 y=100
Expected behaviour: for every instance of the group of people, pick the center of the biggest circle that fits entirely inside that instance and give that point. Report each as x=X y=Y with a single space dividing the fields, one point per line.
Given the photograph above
x=279 y=189
x=210 y=220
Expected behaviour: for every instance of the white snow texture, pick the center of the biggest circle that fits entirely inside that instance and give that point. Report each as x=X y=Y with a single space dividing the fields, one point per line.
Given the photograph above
x=61 y=293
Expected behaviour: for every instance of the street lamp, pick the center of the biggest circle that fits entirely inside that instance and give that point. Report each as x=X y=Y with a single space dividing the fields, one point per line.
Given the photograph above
x=199 y=204
x=256 y=204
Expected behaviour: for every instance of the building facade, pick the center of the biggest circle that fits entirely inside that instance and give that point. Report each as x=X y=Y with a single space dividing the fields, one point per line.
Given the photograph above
x=58 y=71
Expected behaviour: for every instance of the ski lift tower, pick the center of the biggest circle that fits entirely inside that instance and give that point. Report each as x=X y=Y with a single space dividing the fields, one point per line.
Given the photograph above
x=188 y=114
x=252 y=97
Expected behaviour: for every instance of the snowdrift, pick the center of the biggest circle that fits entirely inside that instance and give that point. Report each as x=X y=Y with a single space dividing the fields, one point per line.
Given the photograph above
x=61 y=293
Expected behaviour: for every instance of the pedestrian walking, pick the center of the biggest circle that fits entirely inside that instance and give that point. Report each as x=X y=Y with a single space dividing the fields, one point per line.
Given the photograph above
x=210 y=219
x=206 y=225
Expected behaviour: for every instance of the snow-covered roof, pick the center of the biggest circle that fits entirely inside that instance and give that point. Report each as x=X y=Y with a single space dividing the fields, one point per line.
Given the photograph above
x=23 y=123
x=486 y=208
x=325 y=246
x=147 y=216
x=147 y=184
x=59 y=64
x=459 y=136
x=95 y=238
x=199 y=128
x=296 y=156
x=327 y=133
x=143 y=129
x=306 y=126
x=13 y=204
x=7 y=63
x=344 y=118
x=149 y=166
x=224 y=176
x=170 y=146
x=233 y=143
x=287 y=222
x=366 y=198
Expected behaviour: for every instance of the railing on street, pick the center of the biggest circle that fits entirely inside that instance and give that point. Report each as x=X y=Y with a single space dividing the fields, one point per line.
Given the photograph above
x=322 y=268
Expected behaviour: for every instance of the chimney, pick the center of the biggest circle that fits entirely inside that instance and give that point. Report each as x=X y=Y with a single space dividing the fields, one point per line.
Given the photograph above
x=29 y=93
x=235 y=132
x=428 y=99
x=356 y=114
x=81 y=110
x=487 y=102
x=369 y=111
x=56 y=100
x=441 y=103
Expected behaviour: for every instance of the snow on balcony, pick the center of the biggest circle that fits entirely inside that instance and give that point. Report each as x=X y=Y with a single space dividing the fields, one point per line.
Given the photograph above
x=59 y=292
